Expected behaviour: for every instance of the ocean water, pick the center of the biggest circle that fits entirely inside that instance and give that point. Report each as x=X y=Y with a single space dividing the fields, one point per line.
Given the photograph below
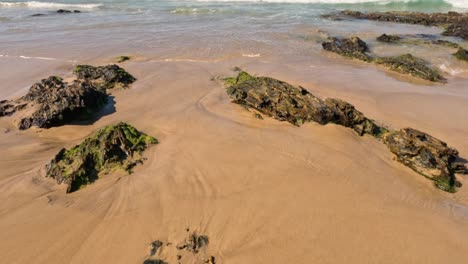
x=190 y=29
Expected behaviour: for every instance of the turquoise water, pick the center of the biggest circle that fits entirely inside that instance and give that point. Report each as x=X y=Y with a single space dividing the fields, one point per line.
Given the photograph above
x=210 y=29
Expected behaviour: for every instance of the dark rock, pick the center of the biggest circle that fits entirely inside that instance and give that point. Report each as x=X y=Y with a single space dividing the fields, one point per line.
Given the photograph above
x=155 y=245
x=295 y=104
x=461 y=54
x=352 y=47
x=104 y=77
x=417 y=150
x=211 y=260
x=426 y=155
x=63 y=11
x=446 y=43
x=76 y=11
x=194 y=243
x=113 y=147
x=154 y=261
x=456 y=24
x=121 y=59
x=408 y=64
x=389 y=38
x=53 y=103
x=38 y=15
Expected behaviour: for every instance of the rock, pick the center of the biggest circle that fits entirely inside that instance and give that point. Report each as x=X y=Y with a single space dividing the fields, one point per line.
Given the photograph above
x=113 y=147
x=461 y=54
x=121 y=59
x=63 y=11
x=456 y=24
x=104 y=77
x=193 y=243
x=53 y=102
x=38 y=15
x=408 y=64
x=426 y=155
x=155 y=245
x=417 y=150
x=296 y=105
x=211 y=260
x=389 y=38
x=352 y=47
x=446 y=43
x=154 y=261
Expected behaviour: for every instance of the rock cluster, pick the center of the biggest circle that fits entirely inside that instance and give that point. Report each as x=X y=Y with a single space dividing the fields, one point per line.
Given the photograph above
x=104 y=77
x=280 y=100
x=455 y=24
x=193 y=245
x=53 y=102
x=356 y=48
x=113 y=147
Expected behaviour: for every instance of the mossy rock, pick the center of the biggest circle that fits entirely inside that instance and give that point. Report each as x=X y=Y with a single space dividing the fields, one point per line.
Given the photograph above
x=461 y=54
x=408 y=64
x=295 y=105
x=113 y=147
x=121 y=59
x=389 y=38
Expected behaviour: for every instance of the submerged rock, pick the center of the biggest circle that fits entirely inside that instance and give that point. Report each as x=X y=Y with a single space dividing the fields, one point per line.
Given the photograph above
x=388 y=38
x=352 y=47
x=64 y=11
x=296 y=105
x=104 y=77
x=456 y=24
x=426 y=155
x=408 y=64
x=113 y=147
x=53 y=102
x=461 y=54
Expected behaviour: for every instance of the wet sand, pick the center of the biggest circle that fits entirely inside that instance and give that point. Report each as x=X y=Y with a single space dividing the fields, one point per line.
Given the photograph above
x=264 y=191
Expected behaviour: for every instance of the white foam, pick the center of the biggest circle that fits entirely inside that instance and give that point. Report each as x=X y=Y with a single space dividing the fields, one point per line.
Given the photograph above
x=251 y=55
x=37 y=4
x=455 y=3
x=446 y=68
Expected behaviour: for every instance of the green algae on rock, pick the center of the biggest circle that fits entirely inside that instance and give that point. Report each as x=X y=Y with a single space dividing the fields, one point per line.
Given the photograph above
x=354 y=47
x=296 y=105
x=388 y=38
x=408 y=64
x=123 y=58
x=280 y=100
x=104 y=77
x=461 y=54
x=426 y=155
x=113 y=147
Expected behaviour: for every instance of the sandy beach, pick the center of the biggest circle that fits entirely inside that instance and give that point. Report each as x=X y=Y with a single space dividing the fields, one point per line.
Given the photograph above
x=263 y=191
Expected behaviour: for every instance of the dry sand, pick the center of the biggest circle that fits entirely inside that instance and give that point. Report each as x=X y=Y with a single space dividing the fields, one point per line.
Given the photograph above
x=262 y=190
